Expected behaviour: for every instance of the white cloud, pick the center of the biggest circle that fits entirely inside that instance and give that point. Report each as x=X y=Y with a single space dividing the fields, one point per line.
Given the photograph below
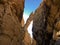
x=25 y=16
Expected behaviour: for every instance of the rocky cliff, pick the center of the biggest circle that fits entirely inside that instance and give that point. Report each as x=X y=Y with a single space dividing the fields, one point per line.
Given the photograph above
x=46 y=22
x=11 y=31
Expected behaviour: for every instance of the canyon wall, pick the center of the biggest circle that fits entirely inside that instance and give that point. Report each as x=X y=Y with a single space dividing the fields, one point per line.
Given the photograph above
x=46 y=22
x=11 y=30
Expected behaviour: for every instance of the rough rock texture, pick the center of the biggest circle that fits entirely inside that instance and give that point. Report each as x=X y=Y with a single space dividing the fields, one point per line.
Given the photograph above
x=27 y=39
x=11 y=31
x=18 y=5
x=46 y=22
x=29 y=20
x=39 y=24
x=22 y=22
x=33 y=42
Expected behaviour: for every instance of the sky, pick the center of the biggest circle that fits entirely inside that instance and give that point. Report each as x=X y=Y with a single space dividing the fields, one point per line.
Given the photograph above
x=30 y=6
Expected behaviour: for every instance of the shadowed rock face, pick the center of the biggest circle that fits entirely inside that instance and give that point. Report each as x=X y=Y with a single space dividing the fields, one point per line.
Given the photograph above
x=33 y=42
x=39 y=24
x=45 y=22
x=57 y=42
x=11 y=31
x=57 y=2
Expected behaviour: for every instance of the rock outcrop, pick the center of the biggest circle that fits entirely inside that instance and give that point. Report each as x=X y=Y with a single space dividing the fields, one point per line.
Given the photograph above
x=11 y=30
x=46 y=22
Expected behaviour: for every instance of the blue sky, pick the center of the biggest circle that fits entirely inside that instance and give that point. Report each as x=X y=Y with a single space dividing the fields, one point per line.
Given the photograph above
x=31 y=5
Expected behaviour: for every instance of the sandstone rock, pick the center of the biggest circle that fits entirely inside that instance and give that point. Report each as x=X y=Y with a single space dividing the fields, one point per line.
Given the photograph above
x=22 y=22
x=18 y=5
x=29 y=20
x=11 y=30
x=33 y=42
x=27 y=39
x=39 y=24
x=46 y=21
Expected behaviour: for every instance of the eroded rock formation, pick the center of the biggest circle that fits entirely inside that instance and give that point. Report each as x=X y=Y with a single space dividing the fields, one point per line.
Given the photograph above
x=11 y=31
x=29 y=20
x=46 y=22
x=27 y=39
x=39 y=24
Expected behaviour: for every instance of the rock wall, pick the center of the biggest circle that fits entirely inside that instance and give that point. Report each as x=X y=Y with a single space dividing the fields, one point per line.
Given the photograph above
x=11 y=31
x=39 y=24
x=46 y=22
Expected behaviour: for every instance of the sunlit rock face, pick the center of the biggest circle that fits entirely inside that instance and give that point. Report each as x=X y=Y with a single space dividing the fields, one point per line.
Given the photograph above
x=46 y=22
x=11 y=31
x=18 y=5
x=27 y=39
x=56 y=33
